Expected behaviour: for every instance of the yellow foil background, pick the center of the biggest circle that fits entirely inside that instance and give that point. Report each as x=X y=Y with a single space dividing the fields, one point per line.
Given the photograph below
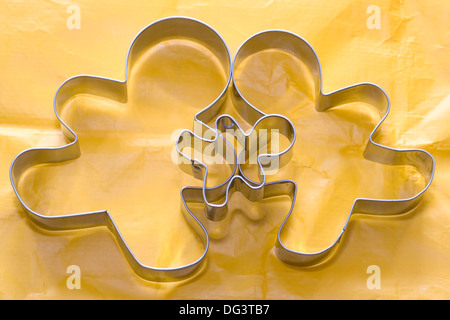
x=126 y=167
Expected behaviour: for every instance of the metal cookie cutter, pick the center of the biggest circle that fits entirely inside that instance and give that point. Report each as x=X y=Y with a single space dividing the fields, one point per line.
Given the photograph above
x=216 y=198
x=161 y=30
x=364 y=92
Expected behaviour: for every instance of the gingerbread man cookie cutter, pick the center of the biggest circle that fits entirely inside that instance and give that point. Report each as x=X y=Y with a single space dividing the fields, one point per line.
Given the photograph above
x=157 y=32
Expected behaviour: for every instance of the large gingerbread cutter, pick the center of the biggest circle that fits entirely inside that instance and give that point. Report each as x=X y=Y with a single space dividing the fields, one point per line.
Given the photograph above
x=157 y=32
x=255 y=191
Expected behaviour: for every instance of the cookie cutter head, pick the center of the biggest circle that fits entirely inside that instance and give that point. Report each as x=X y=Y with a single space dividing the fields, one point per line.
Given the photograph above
x=157 y=32
x=363 y=92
